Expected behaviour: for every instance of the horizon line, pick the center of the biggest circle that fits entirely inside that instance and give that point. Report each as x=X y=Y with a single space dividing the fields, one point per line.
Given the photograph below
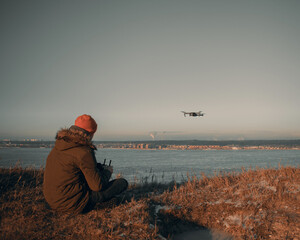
x=32 y=140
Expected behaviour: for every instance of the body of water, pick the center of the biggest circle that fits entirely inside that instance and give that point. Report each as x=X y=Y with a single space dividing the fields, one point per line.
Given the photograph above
x=164 y=166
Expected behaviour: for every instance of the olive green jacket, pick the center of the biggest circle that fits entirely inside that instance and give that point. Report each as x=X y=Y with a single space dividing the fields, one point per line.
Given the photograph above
x=71 y=172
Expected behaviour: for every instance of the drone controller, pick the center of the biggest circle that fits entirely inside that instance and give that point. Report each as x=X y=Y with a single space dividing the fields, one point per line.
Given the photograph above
x=100 y=166
x=105 y=162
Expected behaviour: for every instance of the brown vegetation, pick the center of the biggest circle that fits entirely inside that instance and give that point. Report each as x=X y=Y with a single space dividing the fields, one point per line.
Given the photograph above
x=254 y=204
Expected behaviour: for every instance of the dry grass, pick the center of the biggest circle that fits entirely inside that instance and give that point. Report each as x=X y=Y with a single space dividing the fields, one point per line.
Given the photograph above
x=255 y=204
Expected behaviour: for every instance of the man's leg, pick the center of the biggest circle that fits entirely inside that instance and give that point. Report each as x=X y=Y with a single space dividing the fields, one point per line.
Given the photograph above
x=112 y=189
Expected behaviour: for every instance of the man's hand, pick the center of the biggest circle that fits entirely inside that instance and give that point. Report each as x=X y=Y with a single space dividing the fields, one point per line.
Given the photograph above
x=109 y=168
x=100 y=166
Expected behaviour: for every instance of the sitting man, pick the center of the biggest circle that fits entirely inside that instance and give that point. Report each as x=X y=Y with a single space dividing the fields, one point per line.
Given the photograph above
x=73 y=180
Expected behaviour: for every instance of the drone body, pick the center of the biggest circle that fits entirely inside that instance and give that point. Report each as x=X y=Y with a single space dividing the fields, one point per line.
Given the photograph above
x=193 y=114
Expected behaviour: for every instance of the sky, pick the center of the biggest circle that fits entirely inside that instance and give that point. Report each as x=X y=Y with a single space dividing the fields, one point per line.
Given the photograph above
x=134 y=65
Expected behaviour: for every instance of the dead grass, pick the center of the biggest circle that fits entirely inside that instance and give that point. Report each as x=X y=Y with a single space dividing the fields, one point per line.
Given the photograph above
x=254 y=204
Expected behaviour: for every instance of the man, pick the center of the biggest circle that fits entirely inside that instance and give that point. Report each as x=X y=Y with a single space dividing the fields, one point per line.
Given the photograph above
x=73 y=180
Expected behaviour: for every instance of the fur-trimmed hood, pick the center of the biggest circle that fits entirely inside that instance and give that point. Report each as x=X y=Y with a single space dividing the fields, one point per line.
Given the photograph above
x=73 y=137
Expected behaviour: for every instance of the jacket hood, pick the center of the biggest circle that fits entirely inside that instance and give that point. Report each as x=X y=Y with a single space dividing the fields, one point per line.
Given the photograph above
x=70 y=138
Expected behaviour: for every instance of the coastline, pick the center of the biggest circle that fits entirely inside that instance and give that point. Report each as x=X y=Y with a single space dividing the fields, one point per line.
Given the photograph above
x=170 y=145
x=205 y=148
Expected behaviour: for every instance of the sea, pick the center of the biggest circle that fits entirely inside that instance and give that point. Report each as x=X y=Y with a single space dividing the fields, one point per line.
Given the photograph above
x=164 y=165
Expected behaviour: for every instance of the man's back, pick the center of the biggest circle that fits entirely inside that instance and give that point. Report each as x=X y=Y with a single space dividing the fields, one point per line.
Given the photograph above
x=65 y=187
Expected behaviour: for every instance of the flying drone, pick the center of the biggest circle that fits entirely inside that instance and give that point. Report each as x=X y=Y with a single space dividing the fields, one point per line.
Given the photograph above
x=193 y=114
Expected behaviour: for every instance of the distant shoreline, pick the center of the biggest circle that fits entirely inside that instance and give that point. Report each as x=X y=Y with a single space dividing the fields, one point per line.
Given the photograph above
x=171 y=145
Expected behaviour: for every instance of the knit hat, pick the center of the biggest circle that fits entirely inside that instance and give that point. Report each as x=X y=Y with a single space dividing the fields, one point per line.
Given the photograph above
x=87 y=123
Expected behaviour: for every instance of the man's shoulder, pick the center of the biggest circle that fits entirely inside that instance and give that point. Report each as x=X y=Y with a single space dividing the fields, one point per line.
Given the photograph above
x=81 y=151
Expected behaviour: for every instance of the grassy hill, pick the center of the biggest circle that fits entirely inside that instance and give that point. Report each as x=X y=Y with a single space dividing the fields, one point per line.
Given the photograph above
x=254 y=204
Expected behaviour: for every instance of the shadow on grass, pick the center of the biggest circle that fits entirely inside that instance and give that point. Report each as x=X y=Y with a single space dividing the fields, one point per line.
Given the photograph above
x=172 y=227
x=169 y=226
x=145 y=190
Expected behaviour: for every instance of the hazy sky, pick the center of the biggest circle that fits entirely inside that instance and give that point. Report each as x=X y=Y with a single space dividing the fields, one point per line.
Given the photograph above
x=135 y=64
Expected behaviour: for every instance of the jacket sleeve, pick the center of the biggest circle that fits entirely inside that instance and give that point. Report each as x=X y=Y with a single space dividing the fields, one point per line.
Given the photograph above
x=95 y=179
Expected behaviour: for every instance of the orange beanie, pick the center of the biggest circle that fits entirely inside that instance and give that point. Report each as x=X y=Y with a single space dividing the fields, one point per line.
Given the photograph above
x=87 y=123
